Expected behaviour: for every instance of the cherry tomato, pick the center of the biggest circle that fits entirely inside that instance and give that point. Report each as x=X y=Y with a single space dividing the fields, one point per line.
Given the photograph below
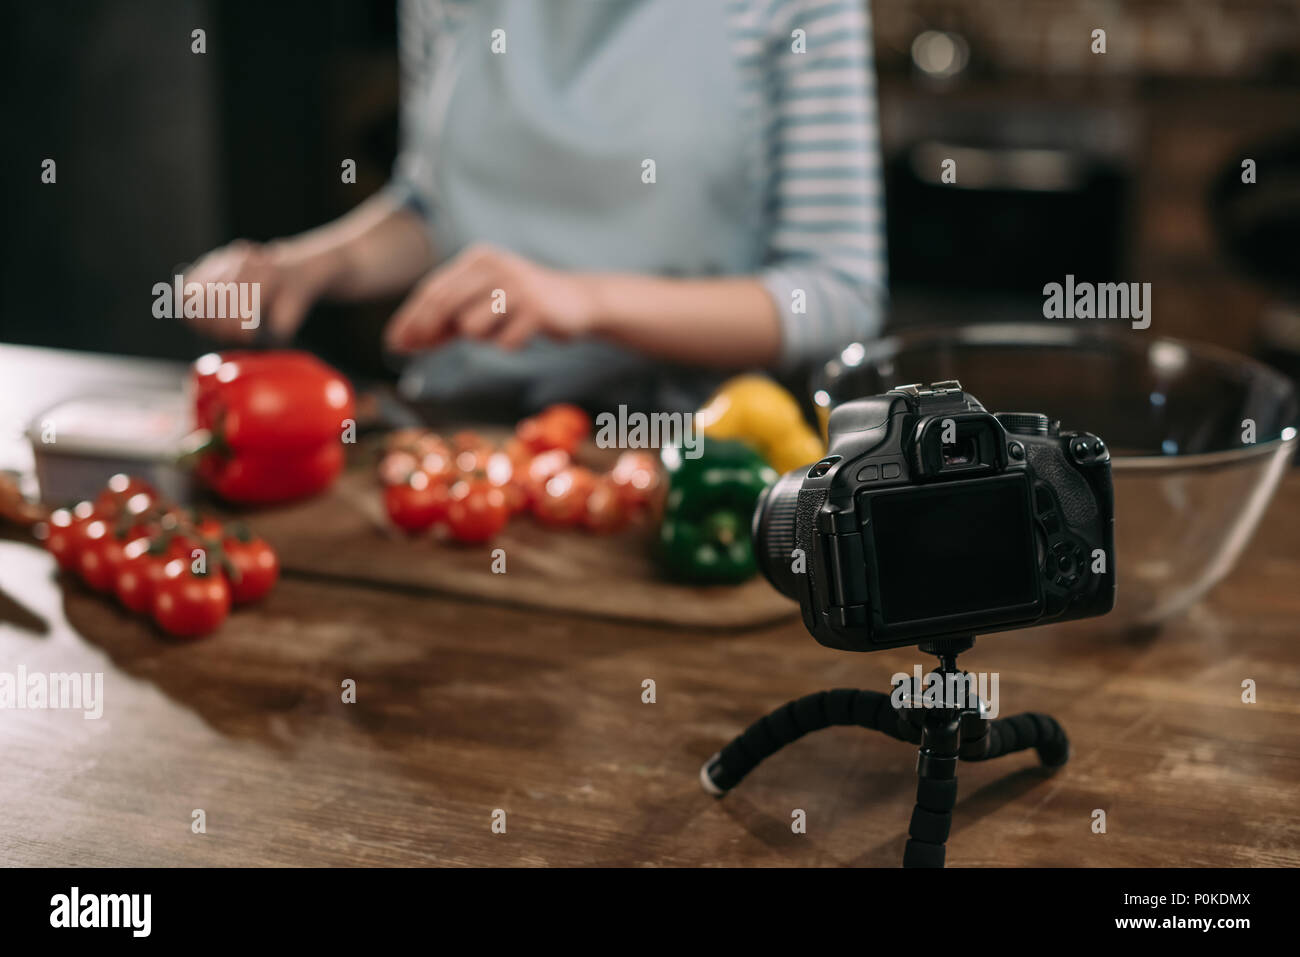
x=605 y=511
x=183 y=546
x=397 y=467
x=188 y=605
x=516 y=497
x=540 y=469
x=499 y=468
x=83 y=513
x=188 y=536
x=570 y=418
x=541 y=433
x=470 y=451
x=257 y=568
x=89 y=566
x=438 y=462
x=504 y=474
x=429 y=442
x=101 y=556
x=209 y=529
x=404 y=439
x=638 y=478
x=501 y=471
x=124 y=493
x=468 y=439
x=518 y=453
x=477 y=510
x=62 y=538
x=418 y=503
x=563 y=500
x=137 y=574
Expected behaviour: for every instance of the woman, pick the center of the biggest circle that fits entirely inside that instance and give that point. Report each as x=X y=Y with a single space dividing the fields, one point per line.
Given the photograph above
x=609 y=199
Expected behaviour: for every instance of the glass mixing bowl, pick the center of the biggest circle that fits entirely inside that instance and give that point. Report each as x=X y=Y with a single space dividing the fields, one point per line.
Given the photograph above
x=1189 y=486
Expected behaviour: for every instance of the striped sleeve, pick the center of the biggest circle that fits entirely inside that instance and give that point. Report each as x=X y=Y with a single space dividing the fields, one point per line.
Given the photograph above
x=825 y=257
x=416 y=35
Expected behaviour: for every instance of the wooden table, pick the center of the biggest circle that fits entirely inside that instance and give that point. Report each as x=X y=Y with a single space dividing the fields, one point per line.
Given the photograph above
x=464 y=708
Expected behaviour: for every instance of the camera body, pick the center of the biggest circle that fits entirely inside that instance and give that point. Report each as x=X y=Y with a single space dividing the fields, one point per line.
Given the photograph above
x=930 y=518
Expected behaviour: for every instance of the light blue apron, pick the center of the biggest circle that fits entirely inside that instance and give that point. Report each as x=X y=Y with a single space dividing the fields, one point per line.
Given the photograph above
x=540 y=149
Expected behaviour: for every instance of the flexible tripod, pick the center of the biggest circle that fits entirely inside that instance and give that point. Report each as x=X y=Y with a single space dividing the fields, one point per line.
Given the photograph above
x=951 y=731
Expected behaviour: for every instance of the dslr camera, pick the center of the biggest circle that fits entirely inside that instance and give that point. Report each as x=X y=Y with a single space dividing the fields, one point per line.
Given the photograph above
x=931 y=518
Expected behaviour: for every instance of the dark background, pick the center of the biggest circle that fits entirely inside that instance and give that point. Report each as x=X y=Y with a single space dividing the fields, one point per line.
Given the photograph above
x=163 y=154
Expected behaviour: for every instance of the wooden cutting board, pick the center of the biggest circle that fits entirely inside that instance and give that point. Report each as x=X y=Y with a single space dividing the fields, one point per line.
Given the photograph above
x=345 y=534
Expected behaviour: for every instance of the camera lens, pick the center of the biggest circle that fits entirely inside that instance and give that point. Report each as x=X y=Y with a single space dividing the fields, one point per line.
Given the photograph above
x=773 y=532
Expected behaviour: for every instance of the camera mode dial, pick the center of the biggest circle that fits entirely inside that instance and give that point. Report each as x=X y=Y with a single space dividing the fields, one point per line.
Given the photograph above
x=1024 y=423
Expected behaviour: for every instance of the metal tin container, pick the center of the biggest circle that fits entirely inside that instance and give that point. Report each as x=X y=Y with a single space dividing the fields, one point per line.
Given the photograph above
x=80 y=443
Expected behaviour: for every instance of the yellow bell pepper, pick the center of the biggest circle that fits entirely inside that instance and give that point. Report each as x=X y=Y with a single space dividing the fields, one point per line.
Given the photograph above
x=755 y=410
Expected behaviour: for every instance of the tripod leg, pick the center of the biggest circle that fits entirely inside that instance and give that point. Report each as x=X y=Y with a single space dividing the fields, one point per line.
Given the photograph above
x=1021 y=732
x=936 y=790
x=791 y=721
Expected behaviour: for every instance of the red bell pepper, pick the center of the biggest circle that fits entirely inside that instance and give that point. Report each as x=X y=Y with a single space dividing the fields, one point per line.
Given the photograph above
x=275 y=421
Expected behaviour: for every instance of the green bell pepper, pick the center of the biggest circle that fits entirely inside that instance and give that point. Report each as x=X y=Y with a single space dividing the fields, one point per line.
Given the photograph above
x=704 y=536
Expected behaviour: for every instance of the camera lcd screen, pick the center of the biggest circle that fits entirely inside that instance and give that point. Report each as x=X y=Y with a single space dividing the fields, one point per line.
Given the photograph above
x=954 y=549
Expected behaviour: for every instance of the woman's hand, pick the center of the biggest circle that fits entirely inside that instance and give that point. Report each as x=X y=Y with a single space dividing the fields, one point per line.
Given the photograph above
x=490 y=294
x=289 y=283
